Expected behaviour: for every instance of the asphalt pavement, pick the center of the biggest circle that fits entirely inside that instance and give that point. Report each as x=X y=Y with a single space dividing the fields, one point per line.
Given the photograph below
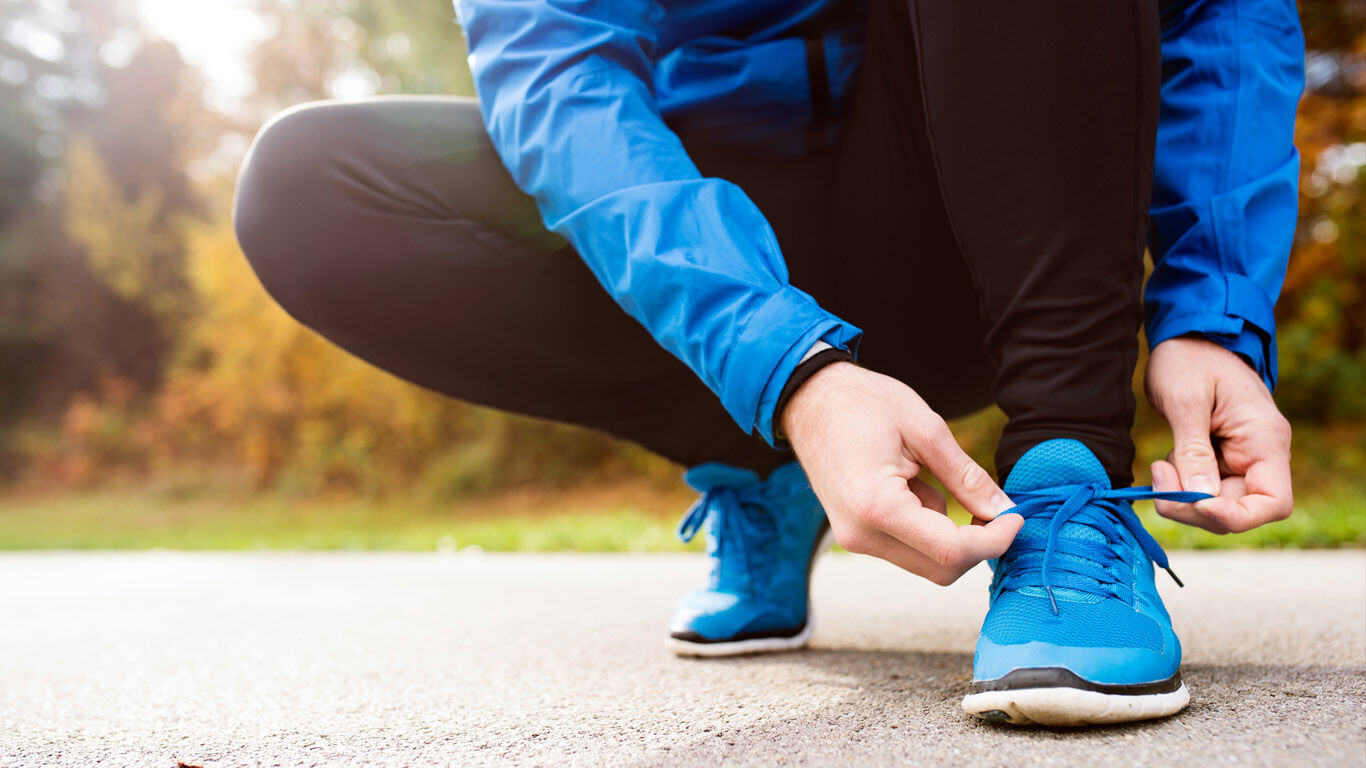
x=260 y=659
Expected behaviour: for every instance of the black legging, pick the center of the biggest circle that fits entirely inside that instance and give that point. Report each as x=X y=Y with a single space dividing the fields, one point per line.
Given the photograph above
x=982 y=220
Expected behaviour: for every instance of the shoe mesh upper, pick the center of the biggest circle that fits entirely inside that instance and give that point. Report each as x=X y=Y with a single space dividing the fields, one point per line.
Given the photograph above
x=1053 y=463
x=1019 y=618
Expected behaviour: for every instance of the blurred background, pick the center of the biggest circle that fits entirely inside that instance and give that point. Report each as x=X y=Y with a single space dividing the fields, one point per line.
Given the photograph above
x=152 y=396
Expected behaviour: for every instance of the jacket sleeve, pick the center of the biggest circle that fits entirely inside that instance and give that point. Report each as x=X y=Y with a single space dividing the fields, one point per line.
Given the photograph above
x=566 y=90
x=1225 y=193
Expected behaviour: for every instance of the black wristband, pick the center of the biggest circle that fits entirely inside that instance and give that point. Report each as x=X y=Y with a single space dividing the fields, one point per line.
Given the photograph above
x=806 y=370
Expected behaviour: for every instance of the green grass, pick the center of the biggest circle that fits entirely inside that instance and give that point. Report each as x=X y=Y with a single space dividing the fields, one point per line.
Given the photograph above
x=632 y=519
x=1336 y=519
x=586 y=521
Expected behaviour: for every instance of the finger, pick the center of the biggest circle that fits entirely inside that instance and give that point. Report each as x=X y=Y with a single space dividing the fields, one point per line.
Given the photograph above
x=1266 y=497
x=937 y=537
x=1233 y=487
x=929 y=495
x=960 y=547
x=1165 y=479
x=1256 y=509
x=1265 y=461
x=971 y=485
x=1197 y=466
x=885 y=547
x=1223 y=510
x=896 y=552
x=1224 y=469
x=895 y=499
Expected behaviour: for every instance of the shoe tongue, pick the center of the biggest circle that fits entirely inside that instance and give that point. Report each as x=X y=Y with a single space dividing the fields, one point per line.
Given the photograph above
x=714 y=474
x=1053 y=463
x=1048 y=465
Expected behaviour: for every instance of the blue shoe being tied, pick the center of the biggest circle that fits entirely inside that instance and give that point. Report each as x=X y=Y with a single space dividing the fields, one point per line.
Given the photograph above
x=763 y=537
x=1076 y=633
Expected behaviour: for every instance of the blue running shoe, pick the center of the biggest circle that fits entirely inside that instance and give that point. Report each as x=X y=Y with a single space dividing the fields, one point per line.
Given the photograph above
x=763 y=537
x=1076 y=633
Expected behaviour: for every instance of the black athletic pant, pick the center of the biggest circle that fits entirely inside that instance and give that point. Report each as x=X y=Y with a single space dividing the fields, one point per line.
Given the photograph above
x=982 y=220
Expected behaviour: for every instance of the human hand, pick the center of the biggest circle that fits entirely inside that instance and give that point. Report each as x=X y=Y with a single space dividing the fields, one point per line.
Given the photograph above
x=1205 y=391
x=862 y=438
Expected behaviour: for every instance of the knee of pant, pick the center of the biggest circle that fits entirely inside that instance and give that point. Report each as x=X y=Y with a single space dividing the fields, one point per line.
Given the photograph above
x=275 y=208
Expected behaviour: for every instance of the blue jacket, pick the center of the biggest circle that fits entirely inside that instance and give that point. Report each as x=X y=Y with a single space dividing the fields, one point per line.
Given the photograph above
x=579 y=95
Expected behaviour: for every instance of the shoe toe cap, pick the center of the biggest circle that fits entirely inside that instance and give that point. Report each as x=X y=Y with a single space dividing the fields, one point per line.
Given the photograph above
x=1100 y=665
x=716 y=615
x=1107 y=642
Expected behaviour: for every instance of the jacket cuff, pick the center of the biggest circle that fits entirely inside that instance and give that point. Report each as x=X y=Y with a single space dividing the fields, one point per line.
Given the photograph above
x=775 y=339
x=1247 y=329
x=810 y=365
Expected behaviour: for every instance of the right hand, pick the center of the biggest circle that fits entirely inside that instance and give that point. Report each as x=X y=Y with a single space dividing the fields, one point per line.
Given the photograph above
x=862 y=438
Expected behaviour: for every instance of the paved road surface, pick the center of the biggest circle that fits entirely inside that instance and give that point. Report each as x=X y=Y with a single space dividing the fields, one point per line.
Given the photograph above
x=467 y=659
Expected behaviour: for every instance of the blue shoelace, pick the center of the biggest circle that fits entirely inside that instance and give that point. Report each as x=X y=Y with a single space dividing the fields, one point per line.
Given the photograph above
x=696 y=516
x=725 y=504
x=1032 y=561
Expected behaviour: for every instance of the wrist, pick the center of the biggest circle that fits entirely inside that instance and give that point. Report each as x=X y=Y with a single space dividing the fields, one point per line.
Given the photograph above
x=1207 y=355
x=1186 y=367
x=807 y=379
x=1222 y=346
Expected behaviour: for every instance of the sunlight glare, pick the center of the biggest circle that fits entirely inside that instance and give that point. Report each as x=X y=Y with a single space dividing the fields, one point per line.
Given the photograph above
x=213 y=36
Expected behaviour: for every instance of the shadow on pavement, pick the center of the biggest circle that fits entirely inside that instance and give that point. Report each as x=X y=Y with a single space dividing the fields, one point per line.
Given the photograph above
x=886 y=706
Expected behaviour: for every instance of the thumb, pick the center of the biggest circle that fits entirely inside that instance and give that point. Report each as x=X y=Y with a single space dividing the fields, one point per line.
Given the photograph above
x=1197 y=466
x=971 y=485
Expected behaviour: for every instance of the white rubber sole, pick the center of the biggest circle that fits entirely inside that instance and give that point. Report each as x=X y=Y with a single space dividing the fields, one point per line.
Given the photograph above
x=741 y=647
x=758 y=644
x=1073 y=706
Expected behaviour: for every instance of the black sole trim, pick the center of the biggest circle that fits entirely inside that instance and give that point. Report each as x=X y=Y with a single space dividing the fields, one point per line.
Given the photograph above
x=1059 y=677
x=772 y=634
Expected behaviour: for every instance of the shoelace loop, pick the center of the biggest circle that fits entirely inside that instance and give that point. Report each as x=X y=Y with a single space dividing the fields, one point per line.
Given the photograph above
x=715 y=500
x=724 y=504
x=1067 y=503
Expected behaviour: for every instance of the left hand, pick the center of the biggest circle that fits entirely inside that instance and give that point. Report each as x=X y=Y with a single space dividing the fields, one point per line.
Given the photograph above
x=1229 y=438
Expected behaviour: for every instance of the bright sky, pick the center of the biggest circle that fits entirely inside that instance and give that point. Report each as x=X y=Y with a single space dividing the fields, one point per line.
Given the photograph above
x=213 y=35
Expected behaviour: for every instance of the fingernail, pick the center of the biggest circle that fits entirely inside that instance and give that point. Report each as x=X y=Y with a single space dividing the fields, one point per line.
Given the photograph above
x=1204 y=484
x=1159 y=478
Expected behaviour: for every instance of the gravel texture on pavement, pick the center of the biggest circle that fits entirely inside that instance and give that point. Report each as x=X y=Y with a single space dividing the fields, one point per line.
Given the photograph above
x=473 y=659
